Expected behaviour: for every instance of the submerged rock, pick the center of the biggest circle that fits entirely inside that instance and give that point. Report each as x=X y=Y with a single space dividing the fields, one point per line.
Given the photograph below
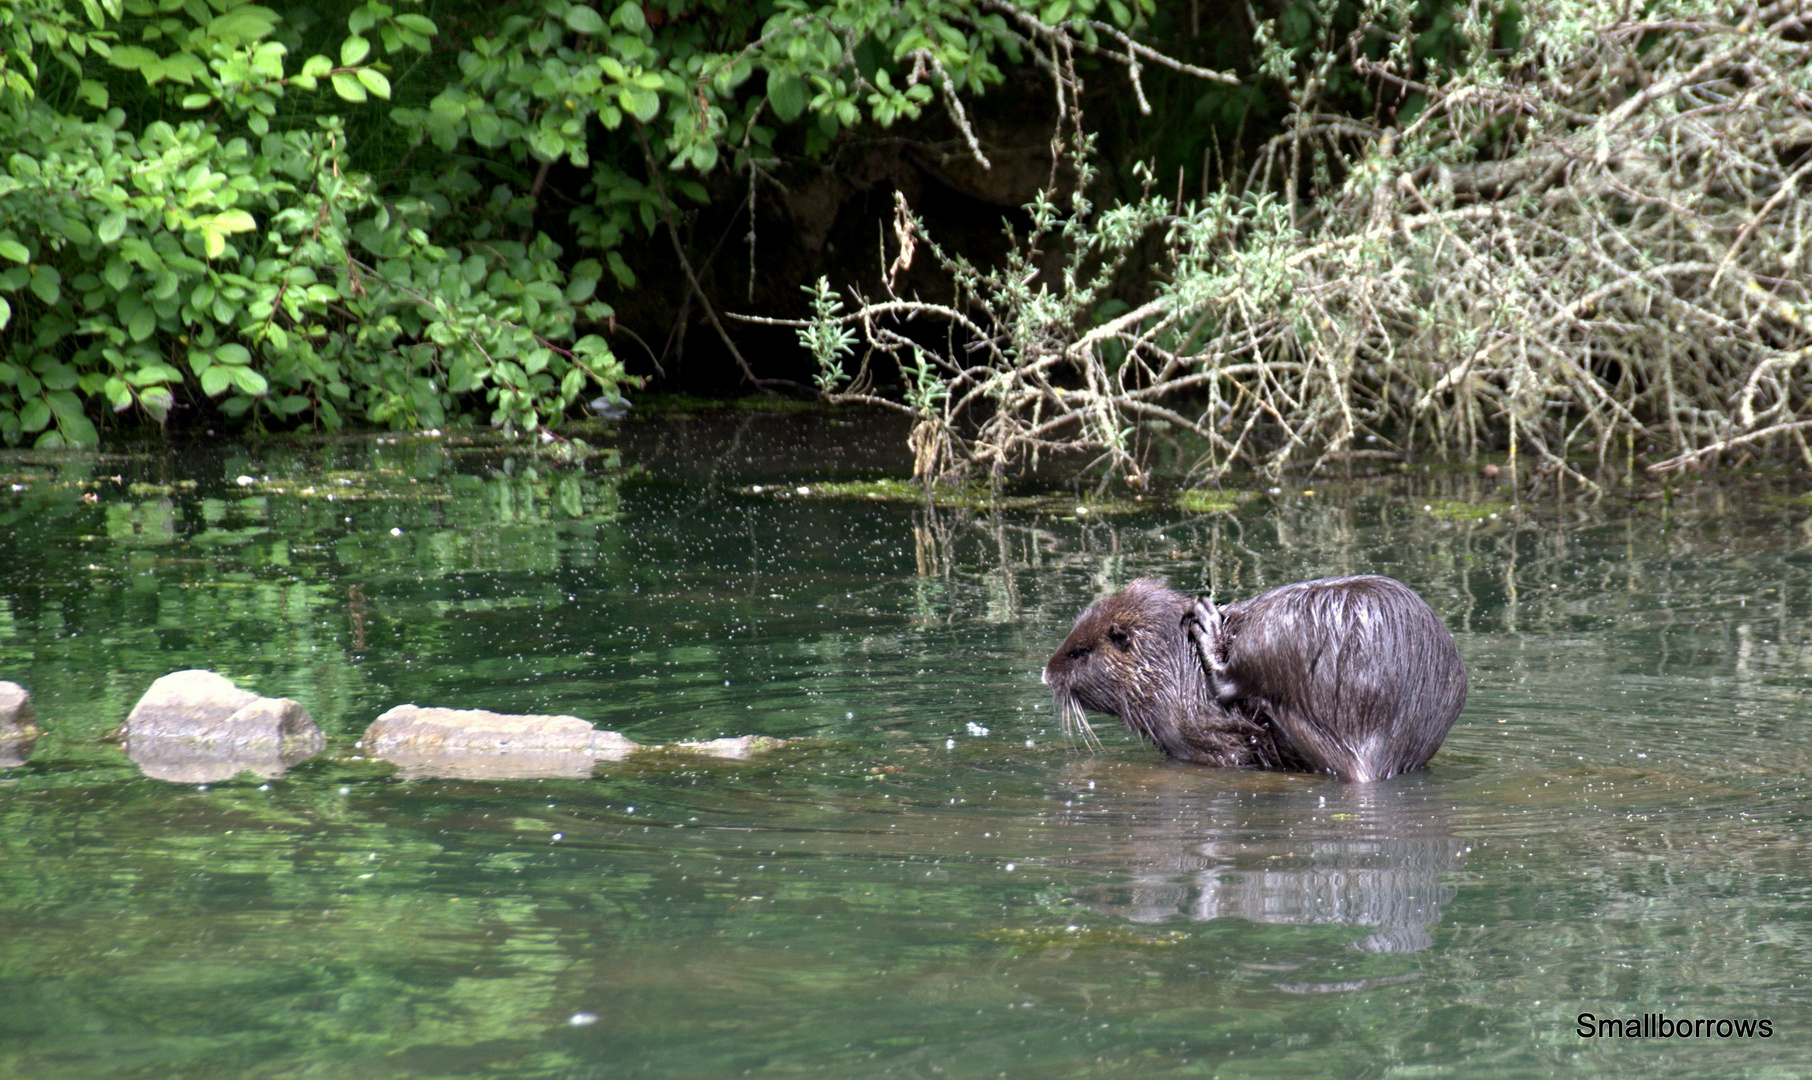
x=196 y=726
x=477 y=744
x=738 y=748
x=18 y=725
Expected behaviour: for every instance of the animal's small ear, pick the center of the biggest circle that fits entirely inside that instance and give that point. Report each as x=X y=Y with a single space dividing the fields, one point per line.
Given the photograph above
x=1118 y=635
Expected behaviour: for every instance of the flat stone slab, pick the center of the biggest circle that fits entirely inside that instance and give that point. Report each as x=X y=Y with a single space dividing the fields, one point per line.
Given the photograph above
x=423 y=732
x=196 y=726
x=477 y=744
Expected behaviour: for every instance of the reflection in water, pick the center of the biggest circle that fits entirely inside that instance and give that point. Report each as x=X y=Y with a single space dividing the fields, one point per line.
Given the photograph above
x=188 y=761
x=894 y=897
x=1352 y=855
x=16 y=750
x=495 y=765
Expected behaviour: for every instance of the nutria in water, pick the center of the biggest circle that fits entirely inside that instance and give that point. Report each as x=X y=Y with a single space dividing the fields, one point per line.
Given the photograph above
x=1355 y=677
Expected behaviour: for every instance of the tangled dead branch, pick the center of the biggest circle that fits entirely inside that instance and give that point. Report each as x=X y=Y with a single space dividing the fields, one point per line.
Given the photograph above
x=1590 y=248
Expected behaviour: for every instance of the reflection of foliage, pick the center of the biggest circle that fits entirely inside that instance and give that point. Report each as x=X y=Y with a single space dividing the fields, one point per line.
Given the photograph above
x=301 y=568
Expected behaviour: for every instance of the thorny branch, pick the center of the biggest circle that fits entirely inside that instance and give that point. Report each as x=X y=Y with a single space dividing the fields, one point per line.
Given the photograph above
x=1595 y=247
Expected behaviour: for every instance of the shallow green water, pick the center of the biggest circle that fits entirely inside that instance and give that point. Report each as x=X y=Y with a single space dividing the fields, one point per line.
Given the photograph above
x=1617 y=825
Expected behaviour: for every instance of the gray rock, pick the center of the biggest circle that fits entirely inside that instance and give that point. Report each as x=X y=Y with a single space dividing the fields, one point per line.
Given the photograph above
x=479 y=744
x=17 y=718
x=195 y=726
x=18 y=725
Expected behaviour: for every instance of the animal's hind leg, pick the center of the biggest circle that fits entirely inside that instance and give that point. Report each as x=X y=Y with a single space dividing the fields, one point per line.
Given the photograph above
x=1208 y=629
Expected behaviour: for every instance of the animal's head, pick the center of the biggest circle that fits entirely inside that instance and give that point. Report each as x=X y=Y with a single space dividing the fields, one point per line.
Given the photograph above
x=1129 y=655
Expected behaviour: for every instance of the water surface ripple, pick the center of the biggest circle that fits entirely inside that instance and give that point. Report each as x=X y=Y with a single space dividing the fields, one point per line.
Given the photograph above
x=926 y=881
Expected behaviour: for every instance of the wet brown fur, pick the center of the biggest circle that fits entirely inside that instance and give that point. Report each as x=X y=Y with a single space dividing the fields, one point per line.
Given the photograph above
x=1354 y=677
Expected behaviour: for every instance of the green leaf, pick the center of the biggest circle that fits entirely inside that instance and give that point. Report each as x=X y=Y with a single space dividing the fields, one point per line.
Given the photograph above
x=79 y=431
x=579 y=290
x=153 y=373
x=14 y=250
x=629 y=16
x=143 y=323
x=118 y=273
x=233 y=353
x=46 y=283
x=234 y=221
x=60 y=377
x=249 y=381
x=584 y=20
x=181 y=67
x=157 y=401
x=65 y=404
x=644 y=105
x=196 y=101
x=35 y=416
x=6 y=312
x=111 y=227
x=347 y=86
x=421 y=24
x=131 y=58
x=316 y=66
x=243 y=24
x=353 y=50
x=214 y=241
x=119 y=395
x=786 y=93
x=375 y=82
x=487 y=130
x=620 y=270
x=216 y=380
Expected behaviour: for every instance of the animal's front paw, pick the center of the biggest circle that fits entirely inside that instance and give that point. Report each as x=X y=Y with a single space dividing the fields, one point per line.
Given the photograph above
x=1208 y=629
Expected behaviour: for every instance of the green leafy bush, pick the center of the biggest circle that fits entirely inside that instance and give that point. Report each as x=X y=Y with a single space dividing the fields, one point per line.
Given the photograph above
x=183 y=219
x=236 y=254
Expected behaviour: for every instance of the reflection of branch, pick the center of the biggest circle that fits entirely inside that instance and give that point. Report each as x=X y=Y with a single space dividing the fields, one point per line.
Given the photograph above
x=1680 y=461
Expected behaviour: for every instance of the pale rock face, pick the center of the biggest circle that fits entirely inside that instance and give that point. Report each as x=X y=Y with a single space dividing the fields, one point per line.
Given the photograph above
x=477 y=744
x=196 y=726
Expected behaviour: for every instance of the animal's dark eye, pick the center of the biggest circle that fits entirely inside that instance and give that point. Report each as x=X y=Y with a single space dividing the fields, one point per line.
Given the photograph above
x=1079 y=654
x=1121 y=639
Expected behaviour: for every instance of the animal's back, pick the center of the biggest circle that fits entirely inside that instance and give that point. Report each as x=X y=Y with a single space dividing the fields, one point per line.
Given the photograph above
x=1359 y=673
